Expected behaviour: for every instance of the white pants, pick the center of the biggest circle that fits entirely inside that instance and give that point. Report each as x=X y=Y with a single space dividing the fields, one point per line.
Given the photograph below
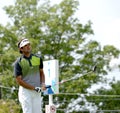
x=30 y=100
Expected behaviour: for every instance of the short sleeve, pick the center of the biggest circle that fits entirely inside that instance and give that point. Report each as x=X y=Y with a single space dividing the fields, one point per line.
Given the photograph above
x=41 y=63
x=17 y=69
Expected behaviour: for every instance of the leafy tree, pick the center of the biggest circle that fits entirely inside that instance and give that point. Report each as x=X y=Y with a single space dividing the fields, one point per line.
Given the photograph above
x=111 y=100
x=55 y=34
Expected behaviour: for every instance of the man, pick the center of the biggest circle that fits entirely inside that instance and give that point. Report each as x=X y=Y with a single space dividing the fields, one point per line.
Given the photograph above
x=30 y=76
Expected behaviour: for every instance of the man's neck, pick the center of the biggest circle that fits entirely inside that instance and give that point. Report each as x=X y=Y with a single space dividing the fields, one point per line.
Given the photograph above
x=27 y=54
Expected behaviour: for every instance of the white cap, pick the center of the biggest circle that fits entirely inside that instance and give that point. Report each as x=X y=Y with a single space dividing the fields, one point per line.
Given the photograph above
x=24 y=42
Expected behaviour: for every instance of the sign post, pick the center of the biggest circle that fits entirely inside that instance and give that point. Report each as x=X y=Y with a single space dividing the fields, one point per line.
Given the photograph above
x=51 y=70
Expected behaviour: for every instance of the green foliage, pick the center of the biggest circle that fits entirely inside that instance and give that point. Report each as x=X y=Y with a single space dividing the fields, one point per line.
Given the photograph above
x=9 y=84
x=9 y=106
x=111 y=50
x=111 y=100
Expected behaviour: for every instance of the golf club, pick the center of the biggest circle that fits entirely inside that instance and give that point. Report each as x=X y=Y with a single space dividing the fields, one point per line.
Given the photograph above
x=73 y=78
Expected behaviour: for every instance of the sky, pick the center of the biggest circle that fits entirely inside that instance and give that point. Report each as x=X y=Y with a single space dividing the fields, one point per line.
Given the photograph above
x=104 y=14
x=105 y=17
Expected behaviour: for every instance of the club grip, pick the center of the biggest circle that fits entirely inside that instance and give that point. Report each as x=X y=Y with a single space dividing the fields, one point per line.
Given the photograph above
x=48 y=86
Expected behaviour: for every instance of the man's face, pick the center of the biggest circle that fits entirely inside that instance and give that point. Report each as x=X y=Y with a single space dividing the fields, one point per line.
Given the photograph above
x=26 y=49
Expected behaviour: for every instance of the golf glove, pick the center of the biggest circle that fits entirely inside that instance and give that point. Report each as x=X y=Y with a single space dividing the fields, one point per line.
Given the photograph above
x=38 y=89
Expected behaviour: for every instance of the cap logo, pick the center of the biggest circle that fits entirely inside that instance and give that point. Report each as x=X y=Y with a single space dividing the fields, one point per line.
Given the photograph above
x=24 y=42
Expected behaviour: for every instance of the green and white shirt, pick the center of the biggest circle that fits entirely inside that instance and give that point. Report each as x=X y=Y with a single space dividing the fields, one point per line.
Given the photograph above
x=29 y=69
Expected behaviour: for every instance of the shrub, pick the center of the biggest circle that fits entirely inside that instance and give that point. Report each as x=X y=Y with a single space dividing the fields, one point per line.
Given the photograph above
x=9 y=106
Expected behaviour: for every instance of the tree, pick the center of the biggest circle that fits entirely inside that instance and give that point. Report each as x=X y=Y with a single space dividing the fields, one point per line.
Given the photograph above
x=111 y=100
x=56 y=34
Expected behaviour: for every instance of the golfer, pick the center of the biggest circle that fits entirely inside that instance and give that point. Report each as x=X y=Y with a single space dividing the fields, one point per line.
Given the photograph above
x=28 y=70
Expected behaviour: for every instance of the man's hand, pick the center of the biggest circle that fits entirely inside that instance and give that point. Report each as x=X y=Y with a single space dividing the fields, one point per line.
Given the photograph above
x=38 y=89
x=43 y=87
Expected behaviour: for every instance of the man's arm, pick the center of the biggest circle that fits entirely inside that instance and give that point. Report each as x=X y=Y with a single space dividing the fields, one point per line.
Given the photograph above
x=42 y=79
x=42 y=76
x=23 y=83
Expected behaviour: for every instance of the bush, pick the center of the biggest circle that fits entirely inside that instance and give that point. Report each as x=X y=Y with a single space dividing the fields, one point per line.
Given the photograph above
x=9 y=106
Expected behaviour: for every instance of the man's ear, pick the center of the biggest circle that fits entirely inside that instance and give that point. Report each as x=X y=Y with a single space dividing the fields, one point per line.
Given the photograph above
x=21 y=49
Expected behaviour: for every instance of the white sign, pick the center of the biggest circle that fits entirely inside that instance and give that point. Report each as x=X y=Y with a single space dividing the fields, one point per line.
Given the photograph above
x=50 y=109
x=51 y=70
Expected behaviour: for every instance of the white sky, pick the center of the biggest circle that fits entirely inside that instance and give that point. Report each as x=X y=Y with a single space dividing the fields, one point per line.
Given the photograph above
x=105 y=17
